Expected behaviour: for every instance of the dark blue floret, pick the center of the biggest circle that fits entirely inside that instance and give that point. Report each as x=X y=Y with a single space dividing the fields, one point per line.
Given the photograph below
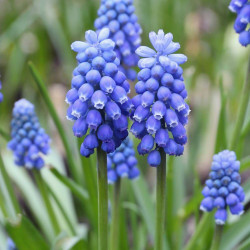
x=122 y=163
x=125 y=31
x=98 y=99
x=223 y=188
x=29 y=141
x=159 y=108
x=242 y=9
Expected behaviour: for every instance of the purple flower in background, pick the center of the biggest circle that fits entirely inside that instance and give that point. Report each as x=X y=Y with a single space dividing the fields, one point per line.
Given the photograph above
x=119 y=17
x=160 y=112
x=11 y=245
x=1 y=94
x=242 y=9
x=223 y=187
x=122 y=163
x=98 y=99
x=29 y=141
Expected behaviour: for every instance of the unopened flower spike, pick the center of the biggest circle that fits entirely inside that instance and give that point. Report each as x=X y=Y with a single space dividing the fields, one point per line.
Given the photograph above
x=242 y=9
x=122 y=163
x=1 y=94
x=29 y=141
x=160 y=112
x=223 y=188
x=98 y=99
x=119 y=17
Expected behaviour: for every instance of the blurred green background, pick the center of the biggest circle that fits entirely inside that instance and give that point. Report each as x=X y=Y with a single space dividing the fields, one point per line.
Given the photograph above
x=42 y=31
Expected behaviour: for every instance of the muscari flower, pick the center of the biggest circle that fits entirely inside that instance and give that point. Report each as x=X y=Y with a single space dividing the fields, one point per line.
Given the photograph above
x=1 y=94
x=242 y=9
x=29 y=141
x=11 y=245
x=122 y=163
x=223 y=187
x=98 y=98
x=119 y=17
x=160 y=112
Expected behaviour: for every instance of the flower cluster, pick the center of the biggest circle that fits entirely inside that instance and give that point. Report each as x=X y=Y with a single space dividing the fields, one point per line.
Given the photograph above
x=242 y=8
x=1 y=95
x=10 y=244
x=29 y=141
x=119 y=17
x=159 y=107
x=223 y=188
x=122 y=162
x=98 y=97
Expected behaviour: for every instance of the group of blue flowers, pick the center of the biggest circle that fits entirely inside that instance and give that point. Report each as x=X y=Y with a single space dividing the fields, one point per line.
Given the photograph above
x=242 y=8
x=223 y=188
x=29 y=141
x=122 y=162
x=125 y=31
x=100 y=107
x=160 y=107
x=98 y=98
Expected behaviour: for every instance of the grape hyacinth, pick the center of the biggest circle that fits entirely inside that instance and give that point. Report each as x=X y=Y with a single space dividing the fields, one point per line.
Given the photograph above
x=29 y=141
x=10 y=244
x=98 y=98
x=242 y=9
x=223 y=188
x=159 y=107
x=122 y=162
x=1 y=94
x=119 y=17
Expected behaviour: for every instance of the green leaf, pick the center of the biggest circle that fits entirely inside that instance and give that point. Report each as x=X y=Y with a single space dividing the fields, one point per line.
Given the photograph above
x=25 y=235
x=78 y=191
x=236 y=233
x=221 y=142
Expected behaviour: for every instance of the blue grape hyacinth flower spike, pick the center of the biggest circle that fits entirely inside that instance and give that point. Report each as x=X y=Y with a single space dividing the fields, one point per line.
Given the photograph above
x=99 y=104
x=119 y=17
x=122 y=163
x=1 y=94
x=223 y=188
x=160 y=112
x=242 y=9
x=28 y=140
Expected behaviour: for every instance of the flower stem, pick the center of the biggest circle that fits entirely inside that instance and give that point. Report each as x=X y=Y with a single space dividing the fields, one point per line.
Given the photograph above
x=160 y=201
x=9 y=186
x=115 y=216
x=217 y=237
x=102 y=199
x=43 y=190
x=242 y=110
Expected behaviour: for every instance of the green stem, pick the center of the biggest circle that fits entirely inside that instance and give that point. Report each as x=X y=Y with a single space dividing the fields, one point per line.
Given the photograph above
x=160 y=202
x=169 y=200
x=9 y=186
x=102 y=199
x=43 y=190
x=217 y=237
x=115 y=216
x=58 y=123
x=90 y=180
x=64 y=213
x=2 y=205
x=242 y=110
